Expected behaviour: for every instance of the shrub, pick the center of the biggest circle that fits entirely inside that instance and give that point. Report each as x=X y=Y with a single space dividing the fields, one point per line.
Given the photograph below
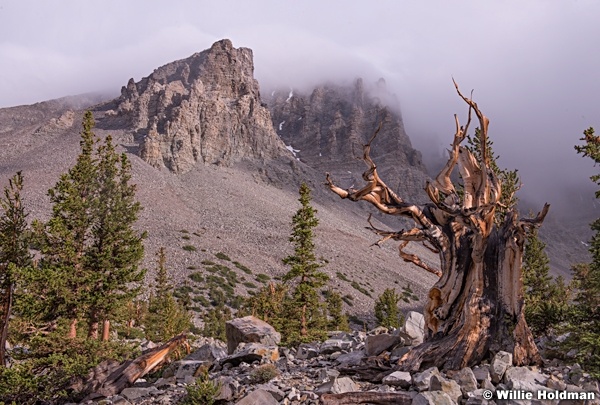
x=207 y=263
x=360 y=288
x=197 y=277
x=222 y=256
x=264 y=373
x=342 y=276
x=185 y=237
x=190 y=248
x=202 y=392
x=249 y=284
x=262 y=278
x=242 y=267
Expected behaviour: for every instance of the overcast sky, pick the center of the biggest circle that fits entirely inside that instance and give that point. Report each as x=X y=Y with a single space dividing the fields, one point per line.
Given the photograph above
x=534 y=65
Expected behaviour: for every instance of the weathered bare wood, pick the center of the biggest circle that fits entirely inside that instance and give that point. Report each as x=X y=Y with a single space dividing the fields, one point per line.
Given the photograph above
x=476 y=306
x=130 y=371
x=378 y=398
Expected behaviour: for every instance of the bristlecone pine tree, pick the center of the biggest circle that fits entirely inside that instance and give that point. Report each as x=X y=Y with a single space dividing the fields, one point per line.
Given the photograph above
x=585 y=327
x=387 y=312
x=476 y=306
x=14 y=252
x=305 y=272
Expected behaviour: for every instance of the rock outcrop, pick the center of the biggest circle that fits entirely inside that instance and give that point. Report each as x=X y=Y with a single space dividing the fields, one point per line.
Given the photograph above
x=205 y=108
x=327 y=129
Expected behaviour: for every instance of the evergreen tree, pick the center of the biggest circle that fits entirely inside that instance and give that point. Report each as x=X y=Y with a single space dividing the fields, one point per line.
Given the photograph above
x=14 y=252
x=214 y=322
x=116 y=248
x=65 y=281
x=269 y=304
x=304 y=272
x=509 y=178
x=585 y=328
x=387 y=312
x=166 y=316
x=545 y=300
x=337 y=319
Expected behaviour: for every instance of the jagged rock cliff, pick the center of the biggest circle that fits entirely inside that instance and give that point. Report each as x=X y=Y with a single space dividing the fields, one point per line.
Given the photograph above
x=205 y=108
x=327 y=129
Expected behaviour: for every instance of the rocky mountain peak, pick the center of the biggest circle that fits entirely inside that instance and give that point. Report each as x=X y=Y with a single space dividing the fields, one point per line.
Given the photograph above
x=205 y=108
x=327 y=128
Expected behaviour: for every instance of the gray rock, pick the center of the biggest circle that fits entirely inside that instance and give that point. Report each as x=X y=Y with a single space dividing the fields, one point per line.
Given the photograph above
x=466 y=379
x=251 y=352
x=273 y=390
x=522 y=378
x=414 y=327
x=229 y=388
x=351 y=359
x=433 y=398
x=257 y=397
x=334 y=345
x=450 y=387
x=208 y=352
x=482 y=373
x=307 y=351
x=422 y=380
x=326 y=374
x=250 y=330
x=186 y=368
x=376 y=344
x=499 y=364
x=134 y=393
x=337 y=386
x=400 y=379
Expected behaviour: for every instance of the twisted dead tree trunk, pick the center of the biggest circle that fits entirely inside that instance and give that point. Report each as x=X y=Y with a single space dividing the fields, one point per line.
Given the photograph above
x=476 y=307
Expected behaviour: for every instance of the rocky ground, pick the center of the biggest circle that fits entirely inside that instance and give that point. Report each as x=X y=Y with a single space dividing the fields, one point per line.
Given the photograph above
x=359 y=366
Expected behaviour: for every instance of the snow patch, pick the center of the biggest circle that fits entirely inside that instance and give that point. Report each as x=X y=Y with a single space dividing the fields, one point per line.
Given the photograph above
x=320 y=154
x=272 y=93
x=290 y=95
x=584 y=244
x=281 y=125
x=291 y=149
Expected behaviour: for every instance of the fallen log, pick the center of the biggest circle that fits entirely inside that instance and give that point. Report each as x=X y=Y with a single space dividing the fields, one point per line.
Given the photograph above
x=377 y=398
x=128 y=372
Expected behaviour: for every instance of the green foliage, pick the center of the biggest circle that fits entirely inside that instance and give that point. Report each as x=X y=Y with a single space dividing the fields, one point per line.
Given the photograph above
x=207 y=263
x=306 y=307
x=189 y=248
x=222 y=256
x=546 y=301
x=263 y=373
x=242 y=267
x=214 y=322
x=408 y=295
x=90 y=251
x=262 y=278
x=342 y=276
x=196 y=277
x=166 y=316
x=360 y=288
x=337 y=319
x=386 y=309
x=202 y=392
x=53 y=367
x=585 y=323
x=268 y=304
x=509 y=179
x=14 y=252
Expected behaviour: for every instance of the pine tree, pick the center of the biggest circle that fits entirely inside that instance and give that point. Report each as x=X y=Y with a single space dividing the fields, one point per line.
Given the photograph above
x=14 y=252
x=509 y=178
x=166 y=316
x=545 y=300
x=116 y=248
x=585 y=327
x=337 y=319
x=387 y=312
x=66 y=282
x=214 y=322
x=305 y=271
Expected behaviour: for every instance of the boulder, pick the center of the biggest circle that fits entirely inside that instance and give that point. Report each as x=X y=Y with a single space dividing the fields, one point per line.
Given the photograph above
x=414 y=327
x=400 y=379
x=500 y=362
x=307 y=351
x=351 y=359
x=134 y=393
x=208 y=352
x=522 y=378
x=376 y=344
x=251 y=352
x=433 y=398
x=421 y=381
x=257 y=397
x=450 y=387
x=337 y=386
x=250 y=330
x=466 y=380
